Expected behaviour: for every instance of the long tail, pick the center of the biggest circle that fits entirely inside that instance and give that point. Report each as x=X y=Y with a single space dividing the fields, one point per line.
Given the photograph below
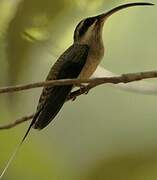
x=18 y=147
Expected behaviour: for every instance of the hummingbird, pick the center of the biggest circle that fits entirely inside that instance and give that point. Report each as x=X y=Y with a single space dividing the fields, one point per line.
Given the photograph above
x=80 y=60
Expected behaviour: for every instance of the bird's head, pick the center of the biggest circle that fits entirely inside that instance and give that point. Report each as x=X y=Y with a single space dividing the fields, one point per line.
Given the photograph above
x=90 y=29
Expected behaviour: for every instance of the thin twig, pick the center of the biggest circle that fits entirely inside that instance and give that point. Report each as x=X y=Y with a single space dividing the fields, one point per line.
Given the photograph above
x=91 y=83
x=17 y=122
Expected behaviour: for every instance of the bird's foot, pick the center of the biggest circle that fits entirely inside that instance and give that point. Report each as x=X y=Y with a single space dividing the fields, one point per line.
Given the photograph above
x=84 y=89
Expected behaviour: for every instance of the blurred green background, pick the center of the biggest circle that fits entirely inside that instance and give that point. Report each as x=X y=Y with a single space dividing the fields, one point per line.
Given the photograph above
x=108 y=134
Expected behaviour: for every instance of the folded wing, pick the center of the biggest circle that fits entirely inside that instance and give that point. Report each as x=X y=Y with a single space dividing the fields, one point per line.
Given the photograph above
x=69 y=65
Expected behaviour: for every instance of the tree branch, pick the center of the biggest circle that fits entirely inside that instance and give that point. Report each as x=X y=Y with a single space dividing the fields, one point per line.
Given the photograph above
x=124 y=78
x=91 y=83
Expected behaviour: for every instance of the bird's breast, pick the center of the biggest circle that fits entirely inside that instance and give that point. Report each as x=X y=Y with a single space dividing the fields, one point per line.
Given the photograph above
x=92 y=62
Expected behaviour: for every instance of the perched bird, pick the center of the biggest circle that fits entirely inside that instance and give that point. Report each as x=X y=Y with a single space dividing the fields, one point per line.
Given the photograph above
x=79 y=61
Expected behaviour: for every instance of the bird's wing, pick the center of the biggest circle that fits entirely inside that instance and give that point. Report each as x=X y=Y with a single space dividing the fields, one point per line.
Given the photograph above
x=69 y=65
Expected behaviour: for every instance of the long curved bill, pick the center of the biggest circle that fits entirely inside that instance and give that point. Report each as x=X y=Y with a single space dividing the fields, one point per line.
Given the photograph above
x=104 y=16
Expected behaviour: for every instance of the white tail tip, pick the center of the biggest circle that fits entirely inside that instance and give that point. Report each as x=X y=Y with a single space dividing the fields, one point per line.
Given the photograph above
x=9 y=161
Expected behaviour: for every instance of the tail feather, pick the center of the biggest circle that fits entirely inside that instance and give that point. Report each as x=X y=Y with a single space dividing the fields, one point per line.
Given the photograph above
x=18 y=147
x=48 y=112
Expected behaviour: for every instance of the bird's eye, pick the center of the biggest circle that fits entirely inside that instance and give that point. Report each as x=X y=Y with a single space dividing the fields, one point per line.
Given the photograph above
x=83 y=26
x=86 y=24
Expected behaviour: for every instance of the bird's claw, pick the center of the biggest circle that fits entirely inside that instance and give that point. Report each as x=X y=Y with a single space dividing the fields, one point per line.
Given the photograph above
x=84 y=89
